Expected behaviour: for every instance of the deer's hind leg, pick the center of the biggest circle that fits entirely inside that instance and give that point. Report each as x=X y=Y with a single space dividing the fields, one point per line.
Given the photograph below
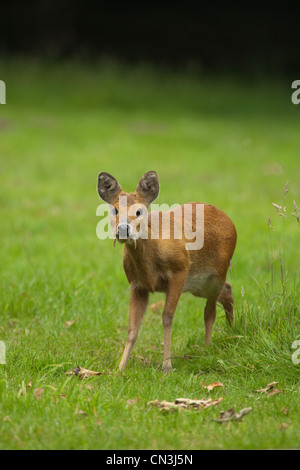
x=214 y=292
x=209 y=318
x=226 y=299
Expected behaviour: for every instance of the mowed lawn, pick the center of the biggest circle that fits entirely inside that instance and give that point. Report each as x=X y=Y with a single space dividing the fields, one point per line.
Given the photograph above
x=231 y=143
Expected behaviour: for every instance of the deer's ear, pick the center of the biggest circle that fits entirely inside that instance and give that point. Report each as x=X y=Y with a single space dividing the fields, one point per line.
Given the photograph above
x=108 y=187
x=148 y=187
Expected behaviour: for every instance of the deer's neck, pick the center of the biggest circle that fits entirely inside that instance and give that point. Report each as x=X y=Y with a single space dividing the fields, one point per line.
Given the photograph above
x=142 y=255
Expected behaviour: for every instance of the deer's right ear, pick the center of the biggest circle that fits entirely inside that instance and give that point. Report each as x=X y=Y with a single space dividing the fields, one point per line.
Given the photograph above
x=108 y=187
x=148 y=187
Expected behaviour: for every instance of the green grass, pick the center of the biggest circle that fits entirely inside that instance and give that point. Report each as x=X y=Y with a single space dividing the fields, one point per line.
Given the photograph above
x=217 y=140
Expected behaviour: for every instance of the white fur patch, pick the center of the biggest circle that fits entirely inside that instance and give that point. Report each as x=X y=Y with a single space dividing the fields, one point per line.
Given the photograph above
x=197 y=284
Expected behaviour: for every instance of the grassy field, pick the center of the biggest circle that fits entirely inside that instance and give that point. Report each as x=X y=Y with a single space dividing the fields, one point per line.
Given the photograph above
x=231 y=143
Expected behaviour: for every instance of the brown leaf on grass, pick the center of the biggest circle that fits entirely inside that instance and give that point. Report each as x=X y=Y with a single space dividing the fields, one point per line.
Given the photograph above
x=85 y=373
x=214 y=402
x=69 y=323
x=227 y=415
x=274 y=391
x=185 y=403
x=267 y=388
x=166 y=405
x=38 y=392
x=133 y=400
x=283 y=426
x=157 y=306
x=212 y=386
x=81 y=413
x=82 y=373
x=231 y=415
x=284 y=411
x=203 y=403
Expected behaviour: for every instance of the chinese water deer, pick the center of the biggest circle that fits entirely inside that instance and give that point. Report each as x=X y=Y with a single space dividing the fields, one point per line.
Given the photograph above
x=162 y=257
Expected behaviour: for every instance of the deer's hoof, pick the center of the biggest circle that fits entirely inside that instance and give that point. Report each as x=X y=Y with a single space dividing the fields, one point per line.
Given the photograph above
x=167 y=368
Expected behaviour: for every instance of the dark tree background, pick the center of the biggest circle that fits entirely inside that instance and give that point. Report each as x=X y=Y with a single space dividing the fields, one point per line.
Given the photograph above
x=213 y=35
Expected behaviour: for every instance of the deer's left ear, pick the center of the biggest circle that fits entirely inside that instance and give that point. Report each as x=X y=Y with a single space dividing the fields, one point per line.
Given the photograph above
x=148 y=187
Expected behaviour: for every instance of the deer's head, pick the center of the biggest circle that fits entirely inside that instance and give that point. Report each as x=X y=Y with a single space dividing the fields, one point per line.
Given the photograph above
x=129 y=211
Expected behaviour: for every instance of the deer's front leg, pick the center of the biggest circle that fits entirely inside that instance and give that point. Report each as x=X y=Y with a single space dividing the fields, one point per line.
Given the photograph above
x=175 y=287
x=137 y=305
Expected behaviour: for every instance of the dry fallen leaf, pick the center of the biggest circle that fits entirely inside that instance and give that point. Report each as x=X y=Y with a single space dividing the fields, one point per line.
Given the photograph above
x=227 y=415
x=157 y=306
x=283 y=426
x=204 y=403
x=231 y=415
x=284 y=411
x=133 y=400
x=214 y=402
x=80 y=412
x=274 y=391
x=212 y=386
x=186 y=403
x=85 y=373
x=69 y=323
x=267 y=388
x=166 y=405
x=37 y=393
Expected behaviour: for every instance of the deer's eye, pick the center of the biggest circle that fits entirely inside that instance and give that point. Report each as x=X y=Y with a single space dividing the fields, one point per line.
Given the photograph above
x=139 y=212
x=115 y=212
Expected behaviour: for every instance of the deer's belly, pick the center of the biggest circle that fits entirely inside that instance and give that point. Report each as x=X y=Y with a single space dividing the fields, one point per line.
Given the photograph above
x=200 y=284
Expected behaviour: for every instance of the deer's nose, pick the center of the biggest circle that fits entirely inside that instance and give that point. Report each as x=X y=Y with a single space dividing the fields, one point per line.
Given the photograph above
x=123 y=231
